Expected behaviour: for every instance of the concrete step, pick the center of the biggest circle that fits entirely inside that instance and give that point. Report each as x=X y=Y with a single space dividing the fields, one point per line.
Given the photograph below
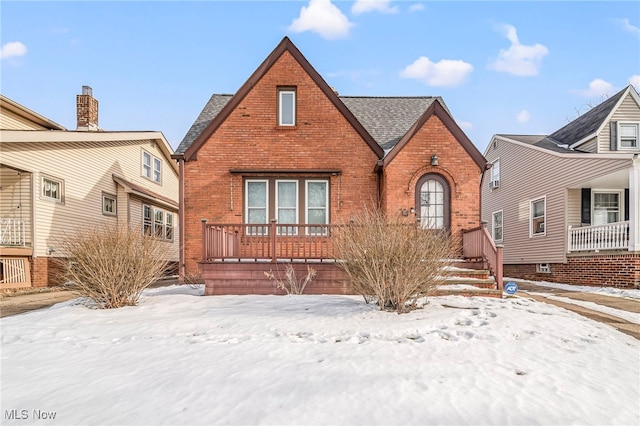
x=467 y=291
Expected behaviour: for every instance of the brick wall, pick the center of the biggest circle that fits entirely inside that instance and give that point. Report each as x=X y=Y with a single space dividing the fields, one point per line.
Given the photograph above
x=251 y=139
x=455 y=166
x=615 y=270
x=45 y=272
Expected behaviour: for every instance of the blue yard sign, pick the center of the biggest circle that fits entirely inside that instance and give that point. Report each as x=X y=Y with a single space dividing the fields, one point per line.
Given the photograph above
x=511 y=287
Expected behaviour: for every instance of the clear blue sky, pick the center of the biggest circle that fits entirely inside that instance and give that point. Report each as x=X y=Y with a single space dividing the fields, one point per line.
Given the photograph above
x=501 y=67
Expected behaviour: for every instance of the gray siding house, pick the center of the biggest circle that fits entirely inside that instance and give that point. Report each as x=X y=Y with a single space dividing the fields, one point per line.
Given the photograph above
x=566 y=206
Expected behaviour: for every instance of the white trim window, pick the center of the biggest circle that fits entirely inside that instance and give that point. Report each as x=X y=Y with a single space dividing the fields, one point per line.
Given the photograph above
x=538 y=215
x=286 y=200
x=287 y=107
x=151 y=167
x=497 y=225
x=628 y=135
x=606 y=207
x=109 y=206
x=495 y=175
x=256 y=205
x=157 y=223
x=52 y=188
x=287 y=206
x=317 y=205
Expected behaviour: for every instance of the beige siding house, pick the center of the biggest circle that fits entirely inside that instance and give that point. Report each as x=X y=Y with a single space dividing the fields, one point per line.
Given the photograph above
x=566 y=206
x=55 y=181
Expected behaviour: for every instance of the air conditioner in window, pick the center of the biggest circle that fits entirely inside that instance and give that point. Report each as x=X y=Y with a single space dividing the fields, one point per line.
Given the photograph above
x=494 y=184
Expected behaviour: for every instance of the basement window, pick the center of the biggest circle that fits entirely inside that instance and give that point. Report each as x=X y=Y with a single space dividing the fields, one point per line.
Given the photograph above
x=543 y=268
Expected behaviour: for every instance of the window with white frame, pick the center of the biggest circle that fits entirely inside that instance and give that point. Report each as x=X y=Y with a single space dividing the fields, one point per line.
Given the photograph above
x=157 y=223
x=538 y=216
x=628 y=135
x=109 y=204
x=317 y=208
x=256 y=205
x=287 y=205
x=496 y=226
x=287 y=106
x=52 y=188
x=294 y=201
x=495 y=175
x=151 y=167
x=606 y=207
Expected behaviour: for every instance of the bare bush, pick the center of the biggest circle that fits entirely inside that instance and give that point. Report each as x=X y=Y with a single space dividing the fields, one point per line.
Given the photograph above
x=290 y=283
x=113 y=265
x=393 y=260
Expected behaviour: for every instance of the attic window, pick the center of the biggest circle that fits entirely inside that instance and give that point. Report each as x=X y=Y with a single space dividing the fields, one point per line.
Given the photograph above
x=628 y=135
x=287 y=106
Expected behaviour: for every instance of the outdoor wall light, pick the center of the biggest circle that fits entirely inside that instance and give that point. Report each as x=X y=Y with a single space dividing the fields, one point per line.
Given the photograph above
x=412 y=210
x=434 y=160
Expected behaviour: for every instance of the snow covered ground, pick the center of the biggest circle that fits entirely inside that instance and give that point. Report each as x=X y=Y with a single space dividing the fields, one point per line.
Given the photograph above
x=177 y=358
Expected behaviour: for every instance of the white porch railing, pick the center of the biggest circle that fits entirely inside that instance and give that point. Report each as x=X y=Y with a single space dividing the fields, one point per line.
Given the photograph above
x=612 y=236
x=12 y=232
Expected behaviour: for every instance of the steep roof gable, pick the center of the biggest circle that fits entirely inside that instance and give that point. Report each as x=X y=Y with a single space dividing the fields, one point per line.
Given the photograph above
x=189 y=149
x=439 y=111
x=590 y=123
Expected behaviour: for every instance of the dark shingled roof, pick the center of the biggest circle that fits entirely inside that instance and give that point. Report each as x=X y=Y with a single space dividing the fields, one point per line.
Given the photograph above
x=587 y=124
x=208 y=113
x=386 y=119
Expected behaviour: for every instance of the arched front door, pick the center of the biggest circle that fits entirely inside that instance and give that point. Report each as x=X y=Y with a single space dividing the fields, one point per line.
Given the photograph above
x=433 y=202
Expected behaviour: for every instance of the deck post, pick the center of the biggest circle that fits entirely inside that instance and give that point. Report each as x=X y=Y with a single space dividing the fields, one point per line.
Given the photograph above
x=205 y=243
x=272 y=235
x=499 y=269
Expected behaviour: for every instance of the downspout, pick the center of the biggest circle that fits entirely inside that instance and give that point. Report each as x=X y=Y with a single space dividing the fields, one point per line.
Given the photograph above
x=181 y=220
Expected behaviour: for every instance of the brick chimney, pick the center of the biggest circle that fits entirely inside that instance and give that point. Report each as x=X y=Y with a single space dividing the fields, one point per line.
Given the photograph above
x=87 y=110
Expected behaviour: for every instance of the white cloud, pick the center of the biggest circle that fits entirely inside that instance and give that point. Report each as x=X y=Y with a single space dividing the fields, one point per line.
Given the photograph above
x=445 y=73
x=465 y=125
x=627 y=26
x=634 y=80
x=12 y=49
x=598 y=88
x=364 y=6
x=416 y=7
x=324 y=18
x=519 y=59
x=523 y=116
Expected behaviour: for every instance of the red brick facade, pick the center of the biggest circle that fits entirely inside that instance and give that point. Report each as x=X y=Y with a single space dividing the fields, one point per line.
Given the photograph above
x=615 y=270
x=250 y=139
x=402 y=175
x=324 y=144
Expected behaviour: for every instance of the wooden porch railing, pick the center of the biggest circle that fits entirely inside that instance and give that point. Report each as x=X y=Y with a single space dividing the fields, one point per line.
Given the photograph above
x=612 y=236
x=477 y=243
x=276 y=242
x=267 y=242
x=12 y=232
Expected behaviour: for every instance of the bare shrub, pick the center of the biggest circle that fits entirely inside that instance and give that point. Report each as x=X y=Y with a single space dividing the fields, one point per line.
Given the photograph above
x=290 y=283
x=113 y=265
x=393 y=260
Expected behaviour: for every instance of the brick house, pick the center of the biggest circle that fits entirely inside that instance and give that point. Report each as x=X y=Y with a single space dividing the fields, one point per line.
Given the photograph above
x=287 y=149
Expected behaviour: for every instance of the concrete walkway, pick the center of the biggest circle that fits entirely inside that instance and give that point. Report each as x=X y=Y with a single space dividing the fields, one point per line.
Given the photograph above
x=25 y=301
x=525 y=289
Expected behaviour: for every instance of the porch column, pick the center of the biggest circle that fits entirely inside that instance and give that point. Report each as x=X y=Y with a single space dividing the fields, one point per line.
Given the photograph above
x=634 y=204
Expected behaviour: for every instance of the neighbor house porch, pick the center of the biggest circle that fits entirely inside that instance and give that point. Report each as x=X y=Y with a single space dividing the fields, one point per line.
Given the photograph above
x=16 y=224
x=235 y=257
x=604 y=213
